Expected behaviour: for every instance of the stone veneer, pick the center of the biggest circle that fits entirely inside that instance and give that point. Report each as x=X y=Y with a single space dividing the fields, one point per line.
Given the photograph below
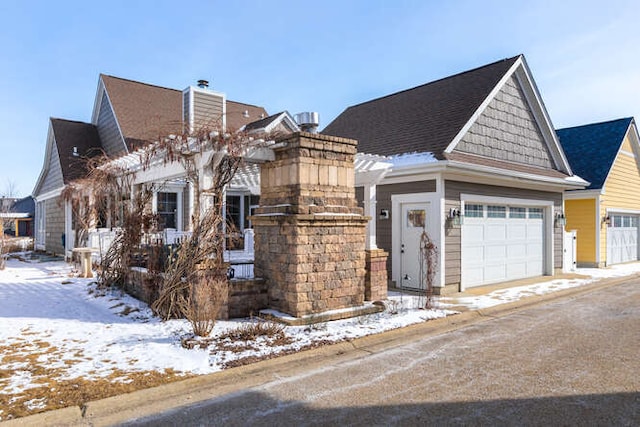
x=309 y=231
x=375 y=285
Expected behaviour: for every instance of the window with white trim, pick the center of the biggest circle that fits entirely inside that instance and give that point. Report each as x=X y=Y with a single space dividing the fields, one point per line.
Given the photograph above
x=517 y=212
x=473 y=211
x=496 y=211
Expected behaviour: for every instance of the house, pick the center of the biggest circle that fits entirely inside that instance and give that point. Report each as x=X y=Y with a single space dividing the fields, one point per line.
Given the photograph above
x=126 y=115
x=605 y=214
x=17 y=216
x=477 y=164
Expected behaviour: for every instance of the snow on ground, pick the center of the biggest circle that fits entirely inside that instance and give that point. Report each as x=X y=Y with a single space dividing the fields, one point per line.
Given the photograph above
x=79 y=331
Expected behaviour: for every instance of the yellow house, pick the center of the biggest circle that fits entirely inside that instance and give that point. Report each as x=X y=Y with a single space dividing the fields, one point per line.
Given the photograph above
x=605 y=214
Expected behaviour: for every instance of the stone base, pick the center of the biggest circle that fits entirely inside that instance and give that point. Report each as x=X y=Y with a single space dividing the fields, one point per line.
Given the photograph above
x=375 y=280
x=327 y=316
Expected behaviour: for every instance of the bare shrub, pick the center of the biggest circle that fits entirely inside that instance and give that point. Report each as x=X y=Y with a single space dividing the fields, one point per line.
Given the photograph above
x=203 y=304
x=251 y=331
x=428 y=264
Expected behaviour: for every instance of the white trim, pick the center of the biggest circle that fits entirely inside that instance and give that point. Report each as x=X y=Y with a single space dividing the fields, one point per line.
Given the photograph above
x=598 y=230
x=628 y=154
x=396 y=224
x=582 y=194
x=370 y=209
x=616 y=211
x=440 y=194
x=69 y=239
x=97 y=102
x=547 y=205
x=47 y=159
x=48 y=195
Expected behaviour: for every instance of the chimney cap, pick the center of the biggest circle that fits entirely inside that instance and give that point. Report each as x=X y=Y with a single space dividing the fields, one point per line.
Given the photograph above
x=203 y=84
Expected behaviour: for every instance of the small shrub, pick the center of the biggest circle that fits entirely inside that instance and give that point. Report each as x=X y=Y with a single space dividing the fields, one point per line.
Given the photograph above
x=203 y=306
x=251 y=331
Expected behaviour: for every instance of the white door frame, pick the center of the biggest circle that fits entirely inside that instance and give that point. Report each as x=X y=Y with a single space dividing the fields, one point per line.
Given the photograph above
x=548 y=219
x=434 y=221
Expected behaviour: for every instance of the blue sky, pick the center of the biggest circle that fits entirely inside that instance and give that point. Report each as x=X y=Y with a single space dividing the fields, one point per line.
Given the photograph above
x=302 y=56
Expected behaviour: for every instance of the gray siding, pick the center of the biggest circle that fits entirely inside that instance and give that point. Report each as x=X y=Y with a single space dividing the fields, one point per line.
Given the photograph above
x=383 y=201
x=507 y=130
x=207 y=110
x=452 y=233
x=55 y=225
x=107 y=125
x=53 y=180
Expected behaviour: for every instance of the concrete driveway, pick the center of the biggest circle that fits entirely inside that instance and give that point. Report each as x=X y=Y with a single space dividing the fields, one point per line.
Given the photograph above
x=572 y=360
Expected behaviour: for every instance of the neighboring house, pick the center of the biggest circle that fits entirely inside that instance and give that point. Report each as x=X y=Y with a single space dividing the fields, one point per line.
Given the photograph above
x=477 y=164
x=605 y=214
x=17 y=216
x=126 y=115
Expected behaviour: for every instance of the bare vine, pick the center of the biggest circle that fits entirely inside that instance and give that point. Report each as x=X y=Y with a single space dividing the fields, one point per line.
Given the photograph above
x=428 y=265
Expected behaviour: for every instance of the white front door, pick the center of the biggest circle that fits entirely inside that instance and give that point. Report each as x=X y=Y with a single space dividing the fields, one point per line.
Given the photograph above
x=622 y=239
x=415 y=217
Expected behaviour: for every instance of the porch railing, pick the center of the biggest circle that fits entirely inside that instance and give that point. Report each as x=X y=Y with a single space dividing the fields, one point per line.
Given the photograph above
x=241 y=260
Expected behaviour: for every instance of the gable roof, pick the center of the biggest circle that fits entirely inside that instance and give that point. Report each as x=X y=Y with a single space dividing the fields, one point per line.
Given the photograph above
x=71 y=135
x=591 y=149
x=271 y=123
x=426 y=118
x=145 y=111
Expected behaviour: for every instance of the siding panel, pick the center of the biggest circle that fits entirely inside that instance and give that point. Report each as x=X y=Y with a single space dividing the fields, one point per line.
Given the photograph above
x=55 y=225
x=53 y=180
x=107 y=125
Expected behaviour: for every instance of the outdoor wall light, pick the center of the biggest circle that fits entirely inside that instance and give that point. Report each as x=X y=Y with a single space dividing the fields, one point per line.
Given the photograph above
x=606 y=220
x=456 y=216
x=384 y=213
x=561 y=220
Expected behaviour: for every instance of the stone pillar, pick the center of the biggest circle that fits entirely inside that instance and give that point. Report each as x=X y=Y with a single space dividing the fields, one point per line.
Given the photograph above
x=309 y=232
x=375 y=284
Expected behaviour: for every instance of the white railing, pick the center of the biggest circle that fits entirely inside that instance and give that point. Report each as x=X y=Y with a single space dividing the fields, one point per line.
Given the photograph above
x=241 y=260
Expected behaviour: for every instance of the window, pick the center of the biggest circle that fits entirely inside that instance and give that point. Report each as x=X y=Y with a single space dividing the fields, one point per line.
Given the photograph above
x=234 y=217
x=626 y=221
x=167 y=208
x=416 y=218
x=474 y=211
x=535 y=213
x=617 y=221
x=496 y=211
x=517 y=212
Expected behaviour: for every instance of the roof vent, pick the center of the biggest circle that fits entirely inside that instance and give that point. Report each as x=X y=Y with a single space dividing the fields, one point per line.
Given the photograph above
x=308 y=121
x=245 y=113
x=203 y=84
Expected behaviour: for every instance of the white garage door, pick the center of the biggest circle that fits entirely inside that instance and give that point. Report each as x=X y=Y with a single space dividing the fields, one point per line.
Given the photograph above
x=501 y=243
x=622 y=239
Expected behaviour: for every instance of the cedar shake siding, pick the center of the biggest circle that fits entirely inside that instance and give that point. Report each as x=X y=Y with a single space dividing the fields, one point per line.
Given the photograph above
x=383 y=201
x=112 y=142
x=507 y=130
x=453 y=189
x=55 y=225
x=53 y=180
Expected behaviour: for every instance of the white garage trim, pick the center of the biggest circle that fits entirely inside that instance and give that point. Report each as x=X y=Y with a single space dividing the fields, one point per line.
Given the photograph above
x=548 y=224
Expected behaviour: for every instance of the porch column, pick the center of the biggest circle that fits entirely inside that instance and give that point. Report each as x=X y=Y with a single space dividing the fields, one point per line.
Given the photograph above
x=370 y=210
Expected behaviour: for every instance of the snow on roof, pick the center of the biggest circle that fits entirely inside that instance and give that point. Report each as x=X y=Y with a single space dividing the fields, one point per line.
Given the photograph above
x=412 y=159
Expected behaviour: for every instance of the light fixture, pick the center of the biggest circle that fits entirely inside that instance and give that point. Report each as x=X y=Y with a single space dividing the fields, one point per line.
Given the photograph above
x=606 y=220
x=456 y=216
x=384 y=213
x=561 y=220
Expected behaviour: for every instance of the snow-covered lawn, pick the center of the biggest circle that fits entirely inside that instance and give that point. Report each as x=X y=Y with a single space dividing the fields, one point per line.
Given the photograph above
x=57 y=328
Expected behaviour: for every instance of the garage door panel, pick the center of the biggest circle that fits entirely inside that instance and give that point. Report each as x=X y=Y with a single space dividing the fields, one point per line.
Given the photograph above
x=622 y=241
x=517 y=231
x=501 y=249
x=516 y=269
x=517 y=251
x=495 y=232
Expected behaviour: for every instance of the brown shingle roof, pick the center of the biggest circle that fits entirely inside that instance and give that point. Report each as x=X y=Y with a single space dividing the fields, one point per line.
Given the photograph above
x=69 y=134
x=236 y=114
x=145 y=111
x=423 y=119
